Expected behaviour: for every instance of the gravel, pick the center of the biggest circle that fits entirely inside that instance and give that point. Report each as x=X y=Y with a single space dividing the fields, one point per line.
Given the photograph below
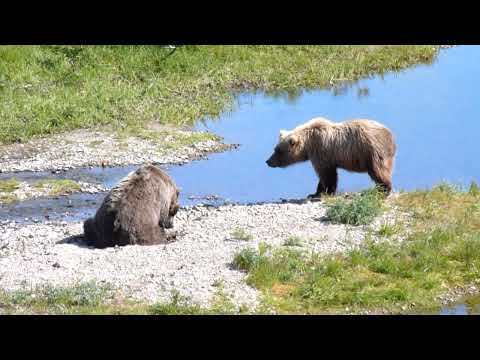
x=86 y=148
x=202 y=255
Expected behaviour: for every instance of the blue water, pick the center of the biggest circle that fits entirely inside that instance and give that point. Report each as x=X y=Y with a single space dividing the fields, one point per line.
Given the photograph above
x=468 y=306
x=432 y=110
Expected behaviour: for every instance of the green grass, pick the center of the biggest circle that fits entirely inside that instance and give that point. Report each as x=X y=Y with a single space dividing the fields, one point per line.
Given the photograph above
x=57 y=187
x=82 y=298
x=7 y=187
x=178 y=305
x=361 y=210
x=388 y=230
x=241 y=234
x=293 y=241
x=53 y=89
x=100 y=299
x=441 y=251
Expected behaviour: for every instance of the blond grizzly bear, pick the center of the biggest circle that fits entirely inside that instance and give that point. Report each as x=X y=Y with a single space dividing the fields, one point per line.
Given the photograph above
x=136 y=211
x=355 y=145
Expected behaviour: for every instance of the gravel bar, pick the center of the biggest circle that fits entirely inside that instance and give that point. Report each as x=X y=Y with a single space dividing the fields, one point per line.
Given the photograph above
x=52 y=253
x=86 y=148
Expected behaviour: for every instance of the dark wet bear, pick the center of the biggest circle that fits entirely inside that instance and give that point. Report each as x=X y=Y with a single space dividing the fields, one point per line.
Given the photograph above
x=136 y=211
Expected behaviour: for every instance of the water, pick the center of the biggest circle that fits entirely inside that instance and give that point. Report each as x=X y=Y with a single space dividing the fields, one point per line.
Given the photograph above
x=468 y=306
x=432 y=110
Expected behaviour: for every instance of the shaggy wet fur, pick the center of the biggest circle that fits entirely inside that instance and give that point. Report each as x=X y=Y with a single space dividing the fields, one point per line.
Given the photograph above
x=356 y=145
x=136 y=211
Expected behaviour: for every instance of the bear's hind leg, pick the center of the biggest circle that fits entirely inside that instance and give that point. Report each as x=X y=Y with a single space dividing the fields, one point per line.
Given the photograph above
x=152 y=235
x=382 y=178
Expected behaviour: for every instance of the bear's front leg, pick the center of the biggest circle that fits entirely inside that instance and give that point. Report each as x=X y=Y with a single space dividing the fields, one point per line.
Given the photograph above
x=320 y=191
x=328 y=182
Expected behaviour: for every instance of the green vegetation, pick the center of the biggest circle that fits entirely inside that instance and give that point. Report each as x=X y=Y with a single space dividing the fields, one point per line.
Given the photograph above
x=441 y=250
x=241 y=234
x=57 y=187
x=361 y=210
x=7 y=187
x=94 y=299
x=85 y=298
x=293 y=241
x=52 y=89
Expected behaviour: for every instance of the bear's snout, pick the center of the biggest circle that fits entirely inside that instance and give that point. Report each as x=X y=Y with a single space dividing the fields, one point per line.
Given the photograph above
x=270 y=163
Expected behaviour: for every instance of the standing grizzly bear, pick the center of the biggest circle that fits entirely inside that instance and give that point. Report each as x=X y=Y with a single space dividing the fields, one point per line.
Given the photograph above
x=136 y=211
x=356 y=145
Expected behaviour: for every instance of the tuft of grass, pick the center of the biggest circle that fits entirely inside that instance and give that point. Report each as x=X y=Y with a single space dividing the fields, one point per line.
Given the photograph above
x=361 y=210
x=387 y=230
x=293 y=241
x=241 y=234
x=7 y=198
x=57 y=187
x=474 y=189
x=8 y=186
x=246 y=259
x=53 y=89
x=178 y=305
x=440 y=251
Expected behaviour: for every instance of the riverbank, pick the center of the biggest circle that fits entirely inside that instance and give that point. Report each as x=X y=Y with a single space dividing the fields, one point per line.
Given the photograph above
x=419 y=253
x=236 y=258
x=56 y=89
x=194 y=266
x=84 y=148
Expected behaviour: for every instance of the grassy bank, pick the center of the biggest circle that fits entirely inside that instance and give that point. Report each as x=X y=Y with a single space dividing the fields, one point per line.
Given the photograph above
x=51 y=89
x=440 y=251
x=91 y=298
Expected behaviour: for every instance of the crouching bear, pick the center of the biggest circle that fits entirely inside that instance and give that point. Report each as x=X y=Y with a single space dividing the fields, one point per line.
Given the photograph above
x=355 y=145
x=136 y=211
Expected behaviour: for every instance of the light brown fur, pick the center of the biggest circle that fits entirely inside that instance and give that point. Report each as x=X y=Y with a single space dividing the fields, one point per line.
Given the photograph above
x=357 y=145
x=136 y=211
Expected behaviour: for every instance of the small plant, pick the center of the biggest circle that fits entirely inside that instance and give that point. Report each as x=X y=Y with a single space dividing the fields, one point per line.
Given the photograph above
x=361 y=210
x=178 y=305
x=474 y=189
x=241 y=234
x=246 y=259
x=387 y=230
x=293 y=241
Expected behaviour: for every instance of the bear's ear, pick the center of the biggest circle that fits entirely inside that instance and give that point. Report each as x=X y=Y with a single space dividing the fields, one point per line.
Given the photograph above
x=284 y=134
x=293 y=140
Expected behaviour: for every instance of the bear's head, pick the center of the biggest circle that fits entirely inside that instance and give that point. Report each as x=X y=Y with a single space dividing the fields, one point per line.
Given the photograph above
x=288 y=151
